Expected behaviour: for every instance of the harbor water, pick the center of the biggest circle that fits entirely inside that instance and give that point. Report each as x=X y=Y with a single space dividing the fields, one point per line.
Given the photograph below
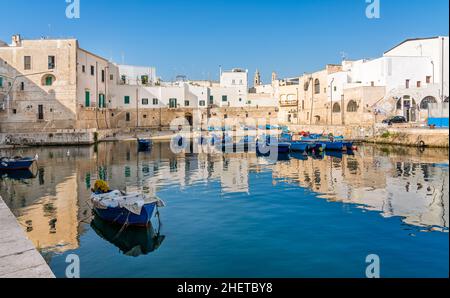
x=239 y=215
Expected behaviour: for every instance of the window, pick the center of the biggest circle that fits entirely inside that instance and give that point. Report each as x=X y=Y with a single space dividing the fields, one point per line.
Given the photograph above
x=87 y=99
x=126 y=100
x=1 y=82
x=22 y=86
x=83 y=68
x=186 y=103
x=418 y=84
x=48 y=80
x=407 y=84
x=127 y=117
x=27 y=62
x=155 y=101
x=424 y=104
x=103 y=75
x=399 y=104
x=224 y=98
x=123 y=79
x=40 y=112
x=352 y=106
x=233 y=82
x=211 y=100
x=372 y=84
x=336 y=108
x=145 y=101
x=240 y=82
x=51 y=62
x=428 y=79
x=335 y=88
x=14 y=111
x=101 y=101
x=172 y=103
x=202 y=103
x=317 y=86
x=240 y=99
x=111 y=77
x=92 y=70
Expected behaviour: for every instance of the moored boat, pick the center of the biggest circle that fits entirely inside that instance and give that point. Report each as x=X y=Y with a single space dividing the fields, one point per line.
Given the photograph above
x=133 y=209
x=144 y=144
x=16 y=163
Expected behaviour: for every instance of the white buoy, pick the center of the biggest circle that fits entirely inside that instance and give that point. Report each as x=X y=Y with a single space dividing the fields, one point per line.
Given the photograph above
x=68 y=152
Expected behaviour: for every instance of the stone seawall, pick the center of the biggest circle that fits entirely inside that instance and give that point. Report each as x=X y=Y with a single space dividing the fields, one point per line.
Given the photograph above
x=18 y=256
x=381 y=134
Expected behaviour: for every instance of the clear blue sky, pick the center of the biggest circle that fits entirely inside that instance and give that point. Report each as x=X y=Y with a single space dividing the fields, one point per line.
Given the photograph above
x=194 y=37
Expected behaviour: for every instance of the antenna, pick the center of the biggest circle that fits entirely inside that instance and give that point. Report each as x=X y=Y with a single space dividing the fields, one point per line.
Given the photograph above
x=343 y=55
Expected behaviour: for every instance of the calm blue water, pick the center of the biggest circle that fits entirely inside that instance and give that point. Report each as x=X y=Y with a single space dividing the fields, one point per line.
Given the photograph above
x=238 y=216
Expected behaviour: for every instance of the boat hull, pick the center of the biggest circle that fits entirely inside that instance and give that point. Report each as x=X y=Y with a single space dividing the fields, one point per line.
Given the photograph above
x=22 y=164
x=300 y=146
x=123 y=216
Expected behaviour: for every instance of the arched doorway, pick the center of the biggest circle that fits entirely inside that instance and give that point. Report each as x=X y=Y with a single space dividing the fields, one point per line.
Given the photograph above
x=407 y=107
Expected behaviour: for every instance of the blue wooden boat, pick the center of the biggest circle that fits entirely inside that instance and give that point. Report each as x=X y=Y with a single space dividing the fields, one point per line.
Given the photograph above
x=144 y=144
x=337 y=146
x=348 y=145
x=122 y=216
x=15 y=163
x=298 y=146
x=282 y=147
x=112 y=207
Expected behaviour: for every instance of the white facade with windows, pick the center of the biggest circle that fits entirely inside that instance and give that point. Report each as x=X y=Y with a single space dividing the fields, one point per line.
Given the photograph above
x=137 y=75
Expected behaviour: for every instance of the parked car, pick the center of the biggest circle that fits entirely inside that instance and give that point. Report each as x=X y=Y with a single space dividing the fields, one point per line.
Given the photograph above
x=395 y=120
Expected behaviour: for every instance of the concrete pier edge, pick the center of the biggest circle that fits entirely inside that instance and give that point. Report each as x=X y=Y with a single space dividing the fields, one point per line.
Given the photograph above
x=19 y=258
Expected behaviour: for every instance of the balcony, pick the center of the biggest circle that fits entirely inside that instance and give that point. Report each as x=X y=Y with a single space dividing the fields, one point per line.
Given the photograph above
x=288 y=103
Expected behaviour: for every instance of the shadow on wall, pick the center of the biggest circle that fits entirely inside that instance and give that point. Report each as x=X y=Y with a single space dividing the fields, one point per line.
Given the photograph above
x=34 y=101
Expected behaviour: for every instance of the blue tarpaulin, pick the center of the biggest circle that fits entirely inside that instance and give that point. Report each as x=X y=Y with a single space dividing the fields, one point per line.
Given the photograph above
x=438 y=122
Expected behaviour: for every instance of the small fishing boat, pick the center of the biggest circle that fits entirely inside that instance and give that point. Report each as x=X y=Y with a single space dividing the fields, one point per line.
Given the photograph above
x=144 y=144
x=133 y=209
x=298 y=146
x=337 y=146
x=267 y=146
x=16 y=163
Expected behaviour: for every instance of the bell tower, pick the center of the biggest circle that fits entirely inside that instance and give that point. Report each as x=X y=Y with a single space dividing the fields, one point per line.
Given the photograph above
x=257 y=80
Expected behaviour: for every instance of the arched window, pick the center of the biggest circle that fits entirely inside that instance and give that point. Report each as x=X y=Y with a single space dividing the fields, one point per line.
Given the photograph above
x=352 y=106
x=426 y=101
x=317 y=86
x=306 y=86
x=336 y=108
x=48 y=80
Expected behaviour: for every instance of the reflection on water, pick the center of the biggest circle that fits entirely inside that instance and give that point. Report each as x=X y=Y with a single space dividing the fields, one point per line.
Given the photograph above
x=131 y=241
x=52 y=201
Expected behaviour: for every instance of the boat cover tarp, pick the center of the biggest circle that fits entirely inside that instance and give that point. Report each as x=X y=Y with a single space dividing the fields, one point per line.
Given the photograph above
x=133 y=202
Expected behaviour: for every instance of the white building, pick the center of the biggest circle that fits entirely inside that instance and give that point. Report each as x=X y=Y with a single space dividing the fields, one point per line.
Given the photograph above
x=414 y=74
x=137 y=75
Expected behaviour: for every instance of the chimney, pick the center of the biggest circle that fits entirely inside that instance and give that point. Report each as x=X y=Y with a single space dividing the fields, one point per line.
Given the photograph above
x=16 y=40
